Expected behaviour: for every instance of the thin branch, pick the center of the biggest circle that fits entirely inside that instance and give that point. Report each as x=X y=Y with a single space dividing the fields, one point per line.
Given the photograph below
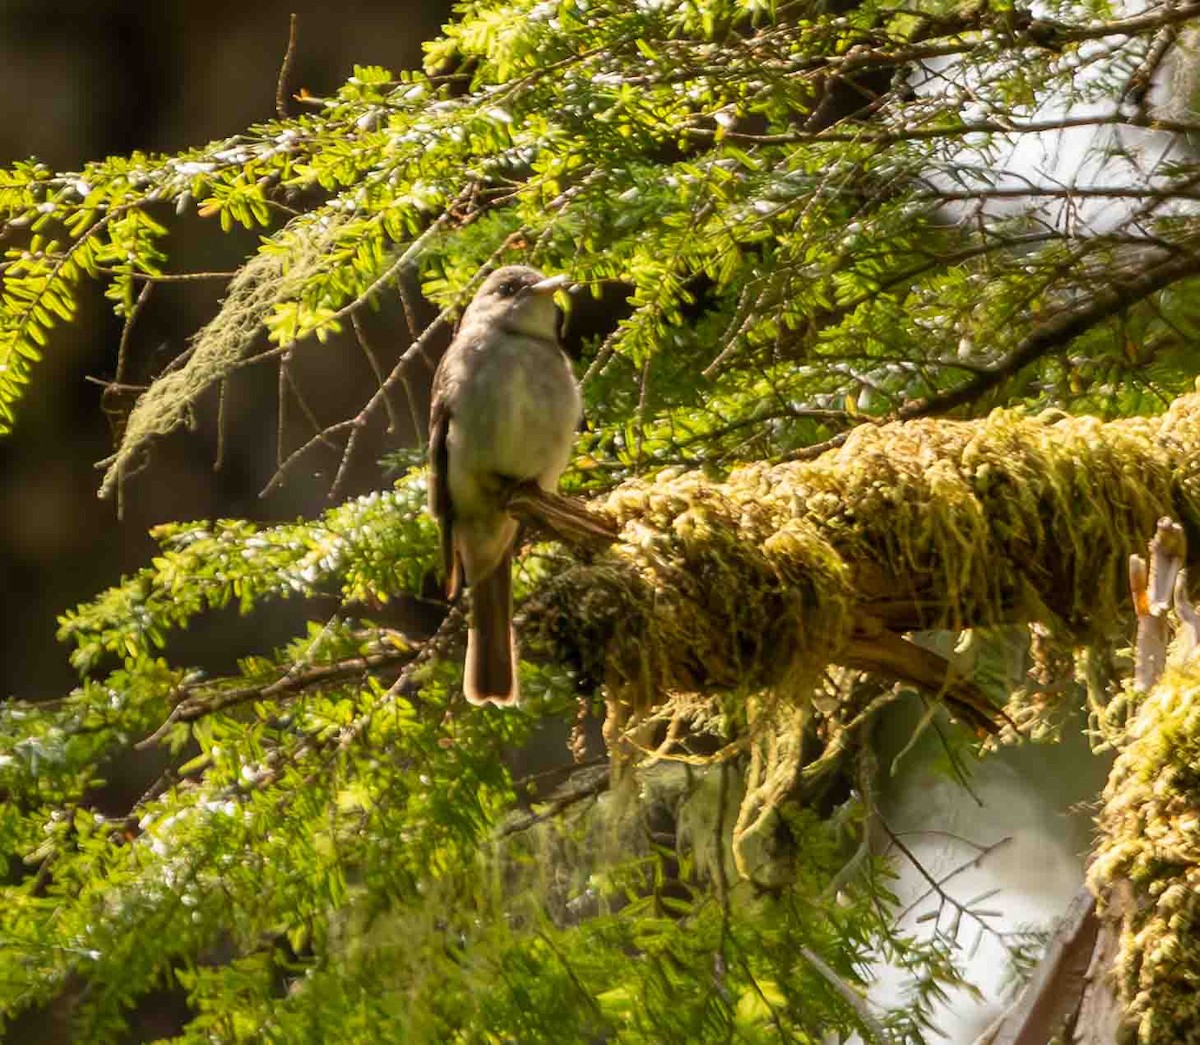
x=1137 y=87
x=176 y=277
x=302 y=402
x=127 y=331
x=936 y=885
x=285 y=69
x=603 y=354
x=596 y=782
x=982 y=852
x=361 y=335
x=1064 y=192
x=357 y=424
x=201 y=704
x=412 y=412
x=294 y=457
x=222 y=424
x=871 y=133
x=281 y=409
x=1062 y=328
x=847 y=993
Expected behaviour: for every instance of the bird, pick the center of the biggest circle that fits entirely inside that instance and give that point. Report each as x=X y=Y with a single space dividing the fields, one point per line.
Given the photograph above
x=504 y=411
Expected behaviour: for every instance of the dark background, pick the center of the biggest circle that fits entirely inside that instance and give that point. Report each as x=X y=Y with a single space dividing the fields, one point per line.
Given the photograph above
x=84 y=80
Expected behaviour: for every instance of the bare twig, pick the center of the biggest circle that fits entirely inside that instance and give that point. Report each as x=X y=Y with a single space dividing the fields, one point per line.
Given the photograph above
x=936 y=887
x=981 y=854
x=305 y=407
x=127 y=331
x=294 y=457
x=222 y=422
x=285 y=70
x=595 y=781
x=281 y=409
x=357 y=424
x=361 y=335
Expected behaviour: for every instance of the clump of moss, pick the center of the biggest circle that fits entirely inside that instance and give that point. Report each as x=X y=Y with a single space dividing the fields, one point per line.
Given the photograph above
x=1010 y=517
x=1150 y=839
x=712 y=587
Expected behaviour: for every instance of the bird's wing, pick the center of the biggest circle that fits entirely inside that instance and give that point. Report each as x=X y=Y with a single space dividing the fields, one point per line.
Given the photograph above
x=439 y=481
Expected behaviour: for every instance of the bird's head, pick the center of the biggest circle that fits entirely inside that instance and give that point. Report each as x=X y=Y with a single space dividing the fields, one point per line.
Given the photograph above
x=519 y=299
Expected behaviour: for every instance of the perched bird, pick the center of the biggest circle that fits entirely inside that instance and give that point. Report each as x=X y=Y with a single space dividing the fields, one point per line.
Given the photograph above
x=505 y=411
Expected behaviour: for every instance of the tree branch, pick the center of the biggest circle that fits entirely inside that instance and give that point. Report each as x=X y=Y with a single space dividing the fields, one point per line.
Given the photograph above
x=201 y=703
x=885 y=653
x=911 y=525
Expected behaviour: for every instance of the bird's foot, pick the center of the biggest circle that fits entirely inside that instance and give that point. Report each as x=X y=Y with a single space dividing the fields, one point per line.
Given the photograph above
x=568 y=519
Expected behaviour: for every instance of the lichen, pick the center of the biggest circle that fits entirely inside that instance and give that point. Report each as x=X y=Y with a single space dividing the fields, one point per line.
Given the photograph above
x=1150 y=839
x=275 y=274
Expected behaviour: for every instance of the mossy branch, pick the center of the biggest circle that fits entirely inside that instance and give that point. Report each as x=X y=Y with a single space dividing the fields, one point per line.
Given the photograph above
x=1147 y=865
x=740 y=585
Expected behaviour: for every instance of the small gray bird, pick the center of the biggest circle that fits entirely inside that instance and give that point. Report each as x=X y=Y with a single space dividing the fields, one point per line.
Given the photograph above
x=505 y=410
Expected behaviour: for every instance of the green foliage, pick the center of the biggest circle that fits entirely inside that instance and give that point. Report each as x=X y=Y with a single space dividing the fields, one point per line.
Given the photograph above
x=335 y=841
x=652 y=968
x=810 y=222
x=662 y=145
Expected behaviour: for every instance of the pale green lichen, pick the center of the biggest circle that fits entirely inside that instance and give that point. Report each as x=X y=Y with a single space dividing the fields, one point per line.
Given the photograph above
x=275 y=274
x=1150 y=839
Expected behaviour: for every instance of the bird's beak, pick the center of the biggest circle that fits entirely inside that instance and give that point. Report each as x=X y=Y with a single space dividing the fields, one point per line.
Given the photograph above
x=550 y=285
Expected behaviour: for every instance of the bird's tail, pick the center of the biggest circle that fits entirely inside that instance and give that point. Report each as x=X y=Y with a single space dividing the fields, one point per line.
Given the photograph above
x=491 y=645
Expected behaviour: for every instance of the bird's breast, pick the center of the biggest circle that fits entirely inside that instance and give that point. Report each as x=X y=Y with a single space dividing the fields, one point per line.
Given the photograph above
x=516 y=414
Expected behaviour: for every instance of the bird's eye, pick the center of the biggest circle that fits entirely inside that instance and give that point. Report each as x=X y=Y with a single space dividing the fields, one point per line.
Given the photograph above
x=507 y=290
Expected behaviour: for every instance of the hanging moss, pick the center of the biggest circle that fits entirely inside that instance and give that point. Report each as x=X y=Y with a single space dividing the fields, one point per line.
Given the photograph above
x=267 y=279
x=1150 y=839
